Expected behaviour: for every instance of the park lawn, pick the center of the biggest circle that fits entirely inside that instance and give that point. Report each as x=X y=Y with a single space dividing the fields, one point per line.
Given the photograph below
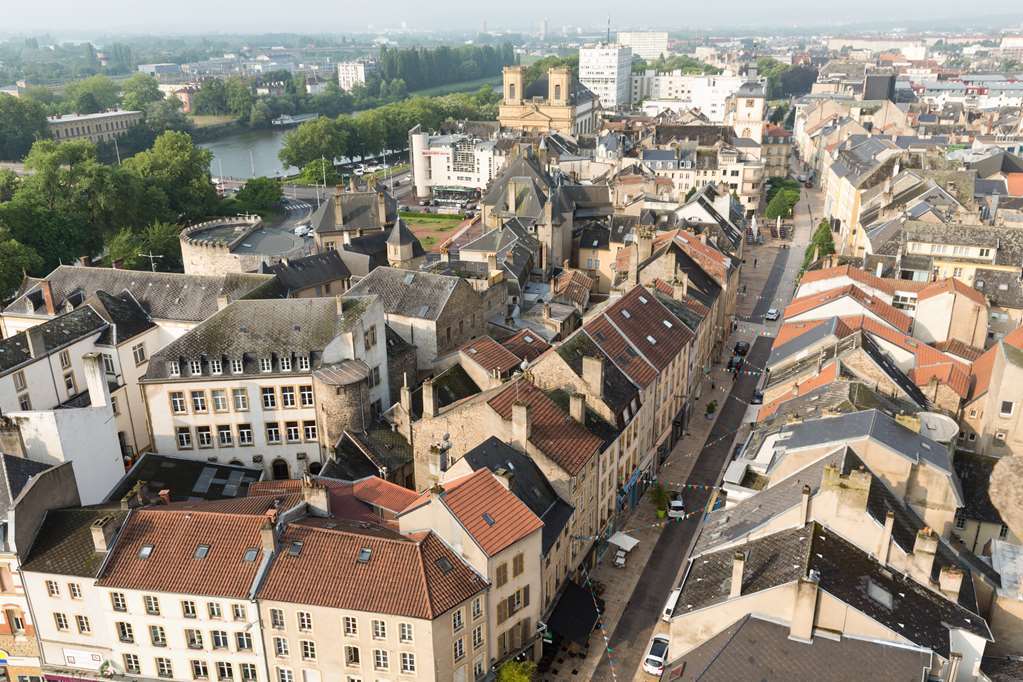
x=207 y=121
x=431 y=229
x=449 y=88
x=382 y=175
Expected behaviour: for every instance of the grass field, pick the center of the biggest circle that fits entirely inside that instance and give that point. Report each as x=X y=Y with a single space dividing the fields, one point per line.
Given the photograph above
x=464 y=86
x=207 y=121
x=431 y=229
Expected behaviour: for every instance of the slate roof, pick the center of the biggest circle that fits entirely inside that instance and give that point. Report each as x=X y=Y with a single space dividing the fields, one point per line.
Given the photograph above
x=1007 y=241
x=15 y=473
x=526 y=345
x=1003 y=289
x=260 y=328
x=185 y=478
x=528 y=483
x=408 y=293
x=296 y=274
x=126 y=317
x=416 y=576
x=49 y=337
x=163 y=295
x=974 y=473
x=618 y=391
x=756 y=649
x=64 y=543
x=359 y=211
x=562 y=439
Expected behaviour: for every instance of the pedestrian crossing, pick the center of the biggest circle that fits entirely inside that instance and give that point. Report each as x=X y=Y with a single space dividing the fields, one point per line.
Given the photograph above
x=299 y=206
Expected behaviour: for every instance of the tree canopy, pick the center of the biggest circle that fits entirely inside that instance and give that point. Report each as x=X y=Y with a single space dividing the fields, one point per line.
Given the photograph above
x=22 y=122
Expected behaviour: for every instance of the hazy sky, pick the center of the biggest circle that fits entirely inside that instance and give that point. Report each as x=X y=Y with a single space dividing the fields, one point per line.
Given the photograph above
x=89 y=17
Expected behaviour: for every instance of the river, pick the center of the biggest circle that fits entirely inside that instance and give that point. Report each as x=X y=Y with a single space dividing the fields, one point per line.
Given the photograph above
x=250 y=153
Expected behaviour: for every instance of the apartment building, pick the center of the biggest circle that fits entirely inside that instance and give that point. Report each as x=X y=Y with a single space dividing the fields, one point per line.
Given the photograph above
x=103 y=126
x=607 y=71
x=648 y=45
x=452 y=164
x=677 y=91
x=270 y=383
x=355 y=73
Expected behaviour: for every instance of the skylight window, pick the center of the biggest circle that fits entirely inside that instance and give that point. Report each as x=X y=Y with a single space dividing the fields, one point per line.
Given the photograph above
x=642 y=299
x=364 y=554
x=146 y=551
x=444 y=565
x=250 y=554
x=879 y=594
x=652 y=340
x=202 y=551
x=667 y=324
x=626 y=314
x=488 y=519
x=296 y=548
x=528 y=338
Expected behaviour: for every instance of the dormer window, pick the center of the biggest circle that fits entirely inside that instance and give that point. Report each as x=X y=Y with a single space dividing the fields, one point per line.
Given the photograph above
x=237 y=366
x=285 y=363
x=266 y=364
x=174 y=368
x=216 y=367
x=195 y=367
x=303 y=363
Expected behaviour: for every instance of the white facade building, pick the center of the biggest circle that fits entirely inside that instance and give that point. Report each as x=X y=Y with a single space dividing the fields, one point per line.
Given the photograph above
x=450 y=161
x=350 y=74
x=606 y=70
x=649 y=45
x=677 y=91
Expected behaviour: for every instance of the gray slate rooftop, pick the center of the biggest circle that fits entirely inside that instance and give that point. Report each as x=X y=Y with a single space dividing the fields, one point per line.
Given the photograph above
x=408 y=293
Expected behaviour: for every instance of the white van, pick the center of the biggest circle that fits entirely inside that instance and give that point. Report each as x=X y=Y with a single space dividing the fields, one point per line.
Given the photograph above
x=669 y=606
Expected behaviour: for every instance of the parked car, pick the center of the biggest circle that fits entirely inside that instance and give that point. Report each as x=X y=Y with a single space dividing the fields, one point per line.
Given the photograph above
x=757 y=399
x=736 y=362
x=657 y=656
x=676 y=507
x=303 y=230
x=772 y=314
x=741 y=347
x=669 y=606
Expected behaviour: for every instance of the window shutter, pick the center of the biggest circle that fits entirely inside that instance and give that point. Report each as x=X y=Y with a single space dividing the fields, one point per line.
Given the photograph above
x=502 y=611
x=525 y=595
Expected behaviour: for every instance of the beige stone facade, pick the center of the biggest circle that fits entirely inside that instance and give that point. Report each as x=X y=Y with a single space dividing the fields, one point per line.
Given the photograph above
x=101 y=127
x=564 y=107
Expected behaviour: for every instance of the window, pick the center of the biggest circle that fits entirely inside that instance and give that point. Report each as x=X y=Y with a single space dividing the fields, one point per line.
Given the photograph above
x=248 y=671
x=138 y=351
x=477 y=608
x=60 y=620
x=306 y=395
x=518 y=564
x=241 y=399
x=184 y=438
x=459 y=649
x=305 y=621
x=224 y=436
x=243 y=640
x=477 y=668
x=351 y=626
x=269 y=398
x=456 y=621
x=477 y=637
x=225 y=671
x=308 y=650
x=219 y=638
x=285 y=363
x=277 y=619
x=408 y=662
x=303 y=363
x=502 y=575
x=219 y=401
x=237 y=366
x=285 y=675
x=1003 y=532
x=204 y=436
x=375 y=377
x=195 y=368
x=157 y=635
x=53 y=588
x=245 y=434
x=163 y=667
x=238 y=612
x=273 y=432
x=214 y=610
x=352 y=655
x=379 y=629
x=369 y=338
x=65 y=359
x=69 y=383
x=1006 y=409
x=216 y=366
x=287 y=396
x=193 y=639
x=152 y=605
x=75 y=590
x=131 y=664
x=177 y=402
x=125 y=632
x=266 y=364
x=188 y=609
x=199 y=670
x=113 y=405
x=280 y=646
x=380 y=659
x=960 y=519
x=117 y=601
x=405 y=633
x=292 y=432
x=198 y=401
x=24 y=402
x=309 y=430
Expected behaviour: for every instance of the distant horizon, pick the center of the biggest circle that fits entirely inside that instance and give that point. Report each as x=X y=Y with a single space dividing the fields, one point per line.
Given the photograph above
x=320 y=17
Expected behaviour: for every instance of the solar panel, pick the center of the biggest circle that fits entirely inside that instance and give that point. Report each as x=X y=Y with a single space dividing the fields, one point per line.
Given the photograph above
x=202 y=484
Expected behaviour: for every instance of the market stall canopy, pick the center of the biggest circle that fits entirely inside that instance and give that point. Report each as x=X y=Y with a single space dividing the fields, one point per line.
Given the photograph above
x=626 y=542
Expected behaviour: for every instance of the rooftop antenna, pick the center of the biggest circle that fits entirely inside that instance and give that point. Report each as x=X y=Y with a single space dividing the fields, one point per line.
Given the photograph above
x=152 y=259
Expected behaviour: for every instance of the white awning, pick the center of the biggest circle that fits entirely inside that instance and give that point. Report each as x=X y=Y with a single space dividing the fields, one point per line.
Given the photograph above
x=626 y=542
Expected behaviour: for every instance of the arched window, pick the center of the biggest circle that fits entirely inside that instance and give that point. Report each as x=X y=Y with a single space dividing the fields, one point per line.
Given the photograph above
x=315 y=468
x=279 y=468
x=746 y=132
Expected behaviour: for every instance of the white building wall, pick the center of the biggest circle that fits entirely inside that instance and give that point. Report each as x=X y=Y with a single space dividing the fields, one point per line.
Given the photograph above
x=70 y=649
x=677 y=91
x=607 y=70
x=649 y=45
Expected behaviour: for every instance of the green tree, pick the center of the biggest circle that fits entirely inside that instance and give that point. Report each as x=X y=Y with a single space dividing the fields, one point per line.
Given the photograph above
x=239 y=99
x=317 y=172
x=181 y=172
x=139 y=91
x=8 y=184
x=319 y=138
x=259 y=195
x=22 y=122
x=126 y=247
x=16 y=260
x=211 y=98
x=516 y=671
x=90 y=95
x=821 y=244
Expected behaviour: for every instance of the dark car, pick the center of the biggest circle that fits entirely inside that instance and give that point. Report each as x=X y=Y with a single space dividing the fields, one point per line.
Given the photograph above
x=757 y=399
x=741 y=347
x=736 y=362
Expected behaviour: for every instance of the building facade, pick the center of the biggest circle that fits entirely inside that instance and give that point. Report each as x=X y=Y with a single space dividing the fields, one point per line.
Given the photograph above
x=100 y=127
x=649 y=45
x=352 y=74
x=606 y=70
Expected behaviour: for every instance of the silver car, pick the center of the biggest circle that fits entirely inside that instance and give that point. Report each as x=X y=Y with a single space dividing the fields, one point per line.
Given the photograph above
x=657 y=656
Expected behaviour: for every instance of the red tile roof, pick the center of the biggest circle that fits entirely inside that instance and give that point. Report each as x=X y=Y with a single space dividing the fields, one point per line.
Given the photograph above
x=980 y=372
x=924 y=354
x=649 y=326
x=958 y=349
x=343 y=502
x=886 y=312
x=490 y=355
x=793 y=330
x=564 y=440
x=952 y=374
x=828 y=374
x=885 y=284
x=573 y=285
x=712 y=261
x=621 y=352
x=488 y=511
x=688 y=301
x=526 y=345
x=172 y=565
x=951 y=286
x=416 y=576
x=383 y=494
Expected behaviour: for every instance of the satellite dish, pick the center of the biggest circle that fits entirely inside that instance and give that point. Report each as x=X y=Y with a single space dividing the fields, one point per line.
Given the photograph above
x=939 y=427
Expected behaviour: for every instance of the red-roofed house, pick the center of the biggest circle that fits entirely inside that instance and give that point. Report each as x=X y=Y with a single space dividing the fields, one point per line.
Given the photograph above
x=846 y=301
x=951 y=310
x=990 y=417
x=500 y=537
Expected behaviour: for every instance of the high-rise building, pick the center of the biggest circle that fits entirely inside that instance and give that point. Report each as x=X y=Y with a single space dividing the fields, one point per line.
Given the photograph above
x=543 y=29
x=649 y=45
x=350 y=74
x=606 y=69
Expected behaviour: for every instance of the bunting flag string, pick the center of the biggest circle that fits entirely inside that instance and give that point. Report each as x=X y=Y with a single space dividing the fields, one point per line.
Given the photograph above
x=600 y=622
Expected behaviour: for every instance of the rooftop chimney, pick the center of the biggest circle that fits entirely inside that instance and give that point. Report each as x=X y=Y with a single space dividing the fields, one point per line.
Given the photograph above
x=521 y=425
x=804 y=505
x=804 y=611
x=429 y=402
x=36 y=342
x=885 y=543
x=340 y=305
x=96 y=380
x=950 y=581
x=924 y=548
x=165 y=495
x=381 y=208
x=103 y=530
x=738 y=566
x=339 y=216
x=504 y=476
x=577 y=407
x=314 y=494
x=47 y=290
x=266 y=536
x=406 y=395
x=680 y=287
x=593 y=374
